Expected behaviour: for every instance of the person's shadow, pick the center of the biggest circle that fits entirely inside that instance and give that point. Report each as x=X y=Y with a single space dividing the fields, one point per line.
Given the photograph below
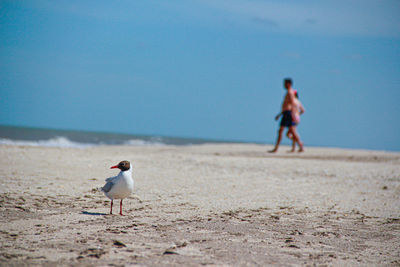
x=94 y=213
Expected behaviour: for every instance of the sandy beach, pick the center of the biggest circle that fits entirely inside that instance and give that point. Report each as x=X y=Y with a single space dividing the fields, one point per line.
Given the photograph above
x=212 y=205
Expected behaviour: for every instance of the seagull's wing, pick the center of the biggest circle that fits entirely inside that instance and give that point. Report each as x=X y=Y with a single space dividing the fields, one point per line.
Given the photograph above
x=110 y=183
x=111 y=178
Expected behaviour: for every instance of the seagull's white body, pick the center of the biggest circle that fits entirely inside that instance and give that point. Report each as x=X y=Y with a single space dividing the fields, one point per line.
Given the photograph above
x=120 y=186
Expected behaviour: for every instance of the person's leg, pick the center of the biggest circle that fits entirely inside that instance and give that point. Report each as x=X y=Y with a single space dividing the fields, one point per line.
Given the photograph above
x=278 y=141
x=290 y=136
x=296 y=138
x=293 y=146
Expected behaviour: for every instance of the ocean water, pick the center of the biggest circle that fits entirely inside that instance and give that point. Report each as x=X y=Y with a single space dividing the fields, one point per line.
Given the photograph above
x=23 y=136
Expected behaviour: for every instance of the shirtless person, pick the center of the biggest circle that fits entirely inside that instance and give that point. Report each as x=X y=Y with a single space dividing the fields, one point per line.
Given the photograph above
x=297 y=110
x=287 y=121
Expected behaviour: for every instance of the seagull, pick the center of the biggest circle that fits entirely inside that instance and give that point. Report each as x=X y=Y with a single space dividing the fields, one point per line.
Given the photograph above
x=120 y=186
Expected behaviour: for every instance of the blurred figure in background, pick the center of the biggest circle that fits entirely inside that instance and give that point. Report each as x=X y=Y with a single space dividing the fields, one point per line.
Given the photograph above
x=297 y=110
x=289 y=105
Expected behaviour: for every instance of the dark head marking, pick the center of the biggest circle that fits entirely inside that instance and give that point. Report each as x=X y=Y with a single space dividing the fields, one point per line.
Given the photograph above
x=124 y=165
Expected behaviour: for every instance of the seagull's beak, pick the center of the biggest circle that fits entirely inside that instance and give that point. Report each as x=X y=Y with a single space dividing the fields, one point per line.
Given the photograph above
x=113 y=167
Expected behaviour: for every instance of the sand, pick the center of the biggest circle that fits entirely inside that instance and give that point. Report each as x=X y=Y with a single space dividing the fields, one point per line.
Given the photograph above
x=212 y=205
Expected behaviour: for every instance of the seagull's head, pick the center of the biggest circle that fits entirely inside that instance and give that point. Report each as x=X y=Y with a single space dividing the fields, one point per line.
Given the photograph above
x=123 y=165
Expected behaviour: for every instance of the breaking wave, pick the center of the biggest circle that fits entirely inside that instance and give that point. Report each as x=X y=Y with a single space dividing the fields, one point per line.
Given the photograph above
x=61 y=141
x=139 y=142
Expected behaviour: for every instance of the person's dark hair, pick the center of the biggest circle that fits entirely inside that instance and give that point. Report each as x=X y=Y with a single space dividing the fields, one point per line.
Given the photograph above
x=296 y=95
x=288 y=80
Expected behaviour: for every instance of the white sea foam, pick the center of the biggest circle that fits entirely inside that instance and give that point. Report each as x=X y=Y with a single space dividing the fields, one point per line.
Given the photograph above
x=139 y=142
x=59 y=141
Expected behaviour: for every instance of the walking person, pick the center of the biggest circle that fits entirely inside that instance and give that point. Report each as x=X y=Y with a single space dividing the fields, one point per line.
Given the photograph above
x=297 y=110
x=289 y=102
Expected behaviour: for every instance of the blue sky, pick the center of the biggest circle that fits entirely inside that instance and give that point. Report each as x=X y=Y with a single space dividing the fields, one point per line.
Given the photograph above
x=207 y=69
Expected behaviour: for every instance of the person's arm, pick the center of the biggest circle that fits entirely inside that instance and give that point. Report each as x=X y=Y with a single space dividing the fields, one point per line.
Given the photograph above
x=302 y=110
x=277 y=116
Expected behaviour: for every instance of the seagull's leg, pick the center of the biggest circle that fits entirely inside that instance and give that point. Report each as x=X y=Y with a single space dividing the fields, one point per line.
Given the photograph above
x=120 y=208
x=111 y=206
